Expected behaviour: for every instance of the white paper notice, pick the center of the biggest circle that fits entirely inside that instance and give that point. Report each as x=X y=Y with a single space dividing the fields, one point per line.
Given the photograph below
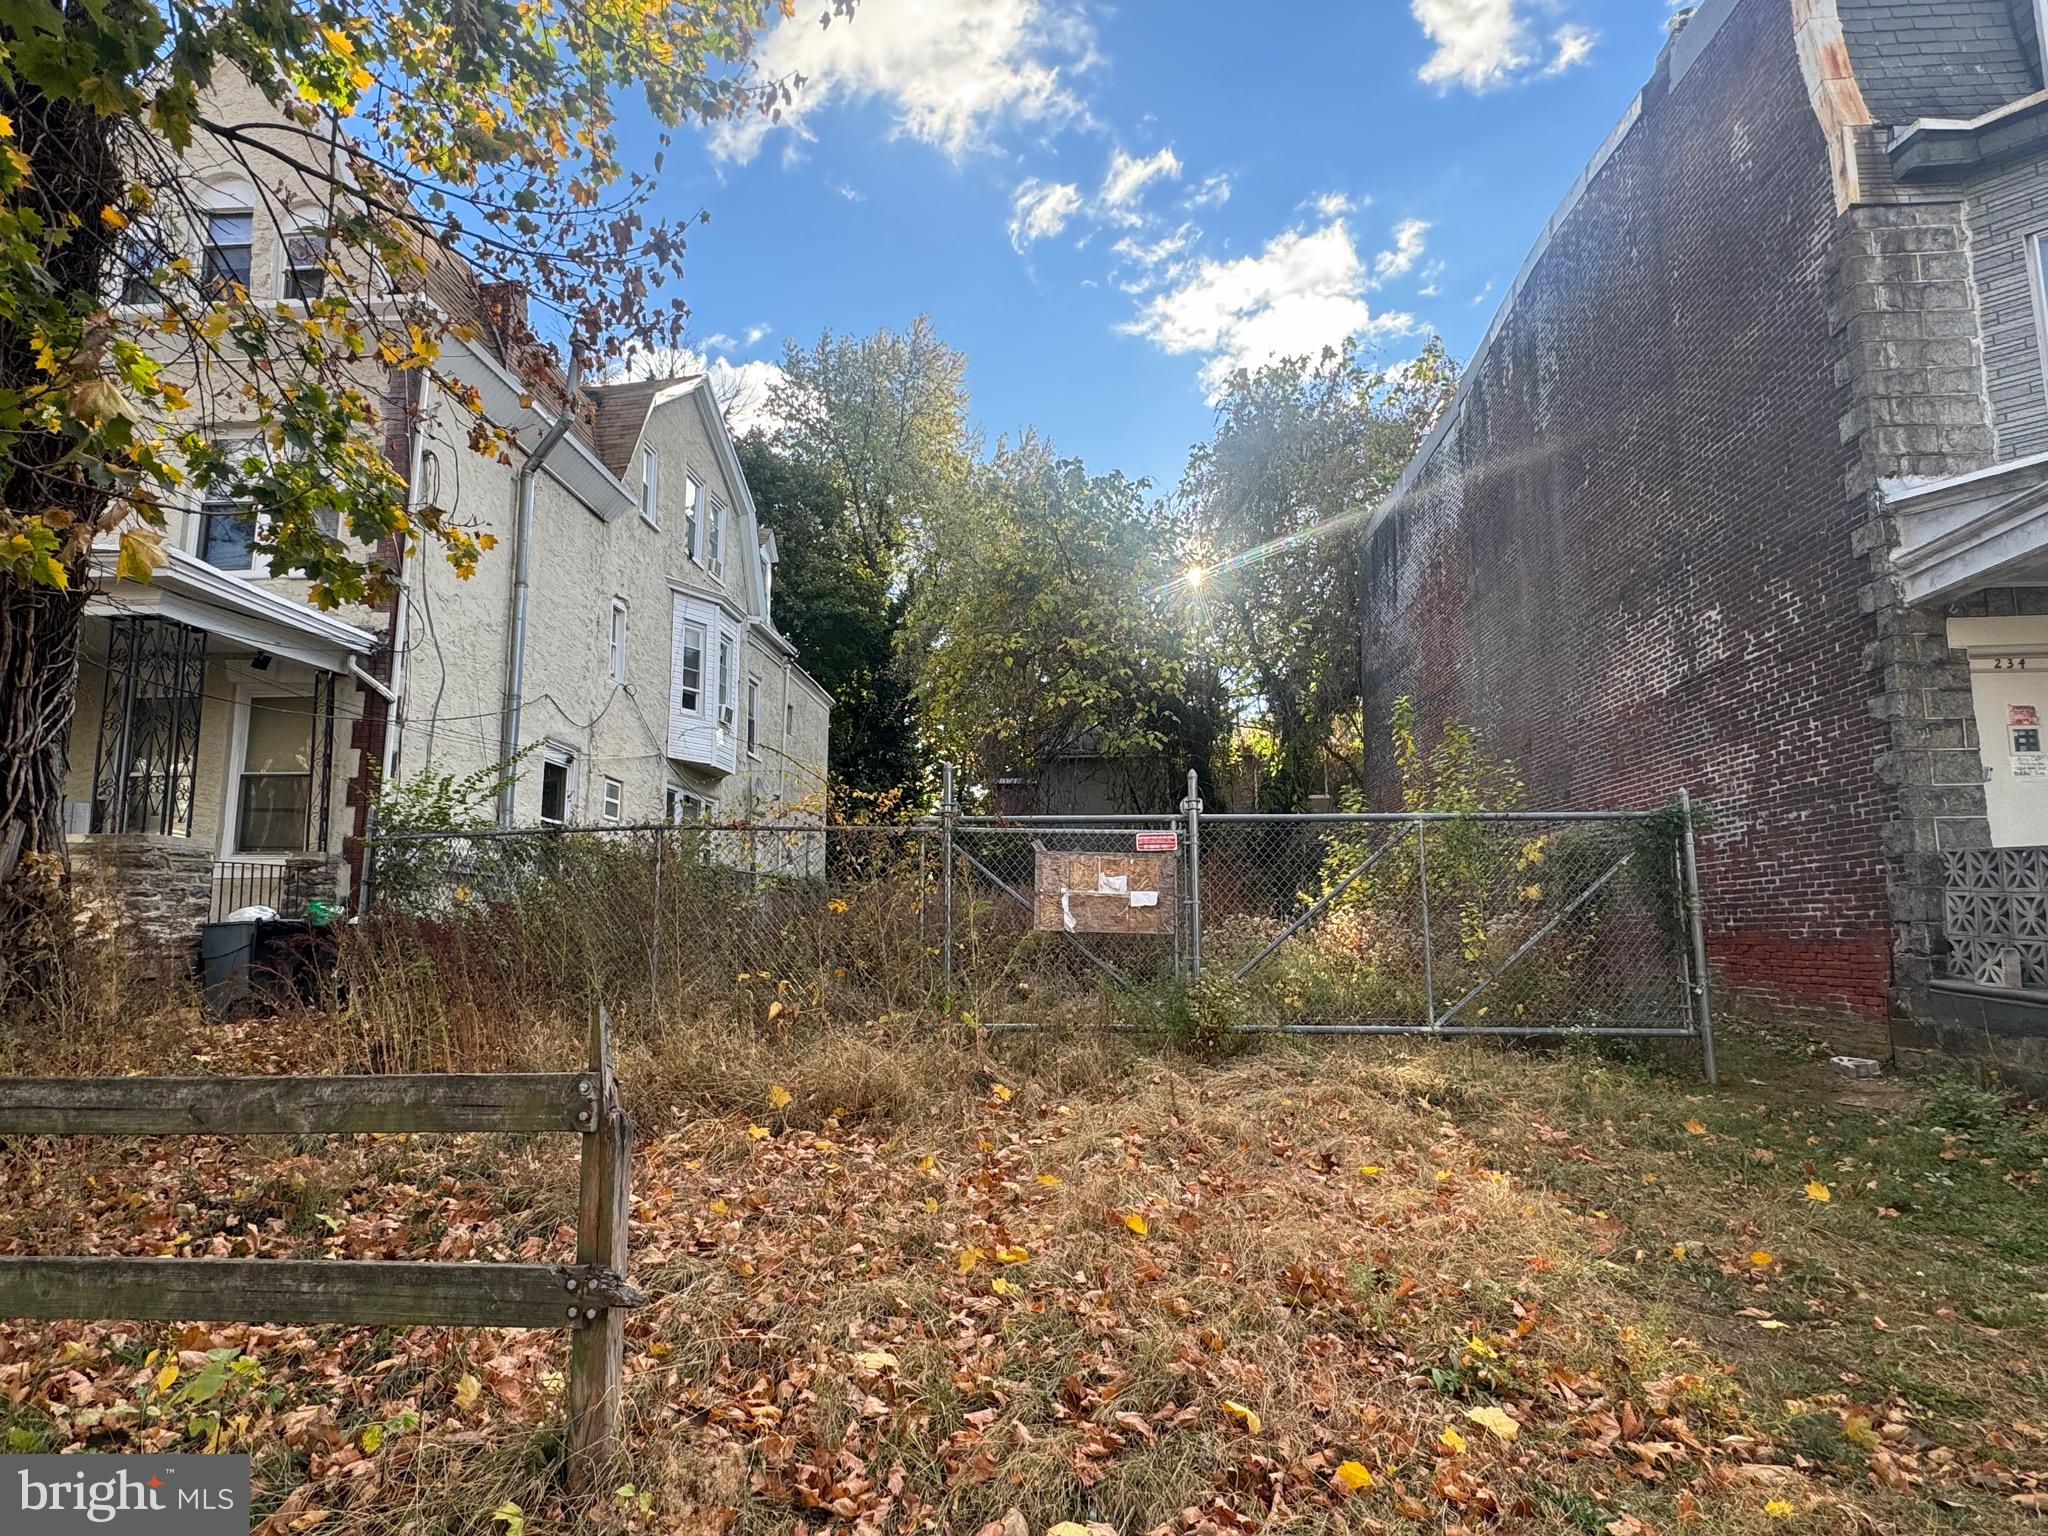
x=1067 y=909
x=1144 y=898
x=1112 y=885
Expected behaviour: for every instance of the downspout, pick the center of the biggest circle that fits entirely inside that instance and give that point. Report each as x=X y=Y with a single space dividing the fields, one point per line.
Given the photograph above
x=522 y=566
x=401 y=624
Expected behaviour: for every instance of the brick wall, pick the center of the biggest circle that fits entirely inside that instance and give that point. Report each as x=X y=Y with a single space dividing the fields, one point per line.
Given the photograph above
x=2006 y=208
x=1630 y=563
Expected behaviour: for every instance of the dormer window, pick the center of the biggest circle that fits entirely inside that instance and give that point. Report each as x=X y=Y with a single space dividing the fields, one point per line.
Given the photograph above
x=650 y=488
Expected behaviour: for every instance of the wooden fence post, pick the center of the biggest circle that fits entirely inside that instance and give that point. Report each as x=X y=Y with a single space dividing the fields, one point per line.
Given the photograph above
x=597 y=1342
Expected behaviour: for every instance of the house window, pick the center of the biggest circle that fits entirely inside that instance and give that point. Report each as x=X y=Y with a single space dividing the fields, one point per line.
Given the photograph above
x=753 y=716
x=693 y=501
x=227 y=532
x=725 y=696
x=614 y=799
x=684 y=806
x=143 y=259
x=767 y=582
x=618 y=641
x=650 y=488
x=305 y=265
x=275 y=792
x=714 y=540
x=555 y=787
x=230 y=248
x=690 y=682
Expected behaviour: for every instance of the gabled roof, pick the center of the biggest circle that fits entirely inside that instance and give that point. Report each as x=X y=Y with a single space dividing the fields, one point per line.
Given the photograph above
x=621 y=412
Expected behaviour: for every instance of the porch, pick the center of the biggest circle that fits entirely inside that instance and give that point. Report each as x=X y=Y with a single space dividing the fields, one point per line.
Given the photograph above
x=209 y=758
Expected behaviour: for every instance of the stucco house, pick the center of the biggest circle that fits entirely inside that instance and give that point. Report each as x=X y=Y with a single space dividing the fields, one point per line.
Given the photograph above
x=1746 y=491
x=229 y=736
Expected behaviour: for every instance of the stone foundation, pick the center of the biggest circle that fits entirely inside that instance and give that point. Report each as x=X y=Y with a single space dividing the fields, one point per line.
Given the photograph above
x=162 y=888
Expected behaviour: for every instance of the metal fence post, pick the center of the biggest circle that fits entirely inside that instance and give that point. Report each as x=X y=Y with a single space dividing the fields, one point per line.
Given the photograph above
x=1192 y=806
x=654 y=949
x=948 y=809
x=1696 y=922
x=1428 y=949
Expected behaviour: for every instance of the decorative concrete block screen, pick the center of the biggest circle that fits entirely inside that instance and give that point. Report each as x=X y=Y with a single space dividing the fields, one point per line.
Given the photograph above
x=1997 y=915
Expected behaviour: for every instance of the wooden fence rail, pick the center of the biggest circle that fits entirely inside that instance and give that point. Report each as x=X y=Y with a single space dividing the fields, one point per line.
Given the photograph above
x=589 y=1297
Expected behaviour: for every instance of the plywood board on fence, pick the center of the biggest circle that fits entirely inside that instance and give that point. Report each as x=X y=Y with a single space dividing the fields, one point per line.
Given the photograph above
x=1104 y=893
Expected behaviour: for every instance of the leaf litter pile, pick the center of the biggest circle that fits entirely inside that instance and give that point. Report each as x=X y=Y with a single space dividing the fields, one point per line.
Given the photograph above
x=1450 y=1289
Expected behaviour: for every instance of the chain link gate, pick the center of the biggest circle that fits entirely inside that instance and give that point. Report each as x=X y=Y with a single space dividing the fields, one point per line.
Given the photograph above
x=1531 y=924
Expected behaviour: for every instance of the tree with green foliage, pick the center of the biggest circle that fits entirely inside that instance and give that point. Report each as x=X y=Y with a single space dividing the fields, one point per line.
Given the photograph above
x=1271 y=511
x=1043 y=621
x=409 y=138
x=873 y=446
x=842 y=615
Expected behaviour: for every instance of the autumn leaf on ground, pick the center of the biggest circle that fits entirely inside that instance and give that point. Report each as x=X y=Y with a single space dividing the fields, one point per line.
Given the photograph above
x=1696 y=1127
x=1818 y=1192
x=778 y=1096
x=1013 y=1254
x=512 y=1517
x=1352 y=1477
x=1003 y=1095
x=1778 y=1509
x=1371 y=1170
x=1761 y=1259
x=1135 y=1220
x=1245 y=1416
x=1452 y=1441
x=166 y=1376
x=758 y=1132
x=1495 y=1421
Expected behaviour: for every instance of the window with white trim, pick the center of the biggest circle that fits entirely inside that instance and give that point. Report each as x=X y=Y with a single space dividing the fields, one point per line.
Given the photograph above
x=725 y=683
x=229 y=251
x=690 y=685
x=693 y=504
x=753 y=717
x=714 y=540
x=614 y=800
x=617 y=646
x=684 y=806
x=557 y=786
x=650 y=488
x=305 y=265
x=144 y=256
x=275 y=794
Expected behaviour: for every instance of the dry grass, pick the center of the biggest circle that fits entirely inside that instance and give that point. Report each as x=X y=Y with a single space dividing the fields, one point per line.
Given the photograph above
x=917 y=1295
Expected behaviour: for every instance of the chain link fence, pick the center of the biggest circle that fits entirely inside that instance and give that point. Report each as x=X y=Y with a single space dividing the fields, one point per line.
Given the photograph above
x=1519 y=923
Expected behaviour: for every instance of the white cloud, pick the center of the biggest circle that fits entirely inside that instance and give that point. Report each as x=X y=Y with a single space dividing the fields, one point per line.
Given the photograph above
x=947 y=69
x=1127 y=178
x=1480 y=296
x=850 y=192
x=1148 y=261
x=1406 y=251
x=1212 y=192
x=1479 y=43
x=722 y=341
x=1430 y=274
x=1040 y=209
x=1574 y=44
x=756 y=332
x=1328 y=205
x=1303 y=292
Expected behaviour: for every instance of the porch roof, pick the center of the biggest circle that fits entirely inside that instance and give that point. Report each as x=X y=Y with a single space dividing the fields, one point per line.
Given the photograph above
x=192 y=592
x=1961 y=533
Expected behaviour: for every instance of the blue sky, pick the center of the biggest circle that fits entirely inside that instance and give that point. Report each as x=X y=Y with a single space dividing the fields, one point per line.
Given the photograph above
x=1107 y=207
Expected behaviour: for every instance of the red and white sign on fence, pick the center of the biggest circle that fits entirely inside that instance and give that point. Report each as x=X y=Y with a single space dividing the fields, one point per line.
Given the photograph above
x=1158 y=842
